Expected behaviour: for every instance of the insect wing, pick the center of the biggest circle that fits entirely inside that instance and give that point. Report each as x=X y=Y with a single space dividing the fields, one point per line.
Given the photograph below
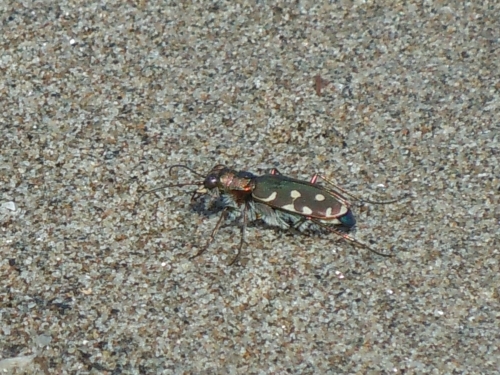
x=299 y=197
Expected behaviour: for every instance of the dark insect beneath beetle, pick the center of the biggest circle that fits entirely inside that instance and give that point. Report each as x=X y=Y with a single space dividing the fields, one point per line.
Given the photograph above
x=278 y=201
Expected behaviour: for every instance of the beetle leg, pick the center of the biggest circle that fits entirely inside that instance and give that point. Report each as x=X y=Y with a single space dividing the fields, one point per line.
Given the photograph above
x=339 y=196
x=243 y=232
x=314 y=178
x=353 y=241
x=214 y=232
x=195 y=195
x=275 y=172
x=299 y=222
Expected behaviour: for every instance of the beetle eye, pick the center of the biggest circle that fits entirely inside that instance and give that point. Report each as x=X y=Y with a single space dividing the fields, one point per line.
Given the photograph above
x=210 y=182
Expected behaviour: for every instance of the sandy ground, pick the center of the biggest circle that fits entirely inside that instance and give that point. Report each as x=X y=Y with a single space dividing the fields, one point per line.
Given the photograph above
x=98 y=98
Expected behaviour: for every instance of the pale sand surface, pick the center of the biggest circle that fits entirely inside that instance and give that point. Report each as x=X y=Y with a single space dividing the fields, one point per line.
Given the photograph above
x=98 y=98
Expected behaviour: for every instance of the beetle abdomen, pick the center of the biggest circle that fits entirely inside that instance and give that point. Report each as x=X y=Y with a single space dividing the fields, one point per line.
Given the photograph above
x=299 y=197
x=348 y=220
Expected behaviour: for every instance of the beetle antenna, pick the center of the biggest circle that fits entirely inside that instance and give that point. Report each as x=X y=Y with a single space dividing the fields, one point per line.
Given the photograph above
x=197 y=183
x=185 y=167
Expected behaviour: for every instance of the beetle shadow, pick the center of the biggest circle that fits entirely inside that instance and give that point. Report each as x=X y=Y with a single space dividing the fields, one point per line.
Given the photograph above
x=207 y=206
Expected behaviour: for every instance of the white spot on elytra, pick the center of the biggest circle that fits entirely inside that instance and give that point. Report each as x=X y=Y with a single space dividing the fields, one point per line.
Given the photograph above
x=329 y=212
x=295 y=194
x=307 y=210
x=319 y=197
x=269 y=198
x=288 y=207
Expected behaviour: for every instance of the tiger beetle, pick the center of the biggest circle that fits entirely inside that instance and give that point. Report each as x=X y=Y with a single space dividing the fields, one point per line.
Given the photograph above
x=278 y=201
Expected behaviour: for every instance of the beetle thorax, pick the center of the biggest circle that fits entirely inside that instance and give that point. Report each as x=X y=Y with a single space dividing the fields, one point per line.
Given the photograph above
x=229 y=182
x=240 y=188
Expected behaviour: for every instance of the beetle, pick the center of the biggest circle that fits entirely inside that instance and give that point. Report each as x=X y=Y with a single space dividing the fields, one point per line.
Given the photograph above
x=277 y=200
